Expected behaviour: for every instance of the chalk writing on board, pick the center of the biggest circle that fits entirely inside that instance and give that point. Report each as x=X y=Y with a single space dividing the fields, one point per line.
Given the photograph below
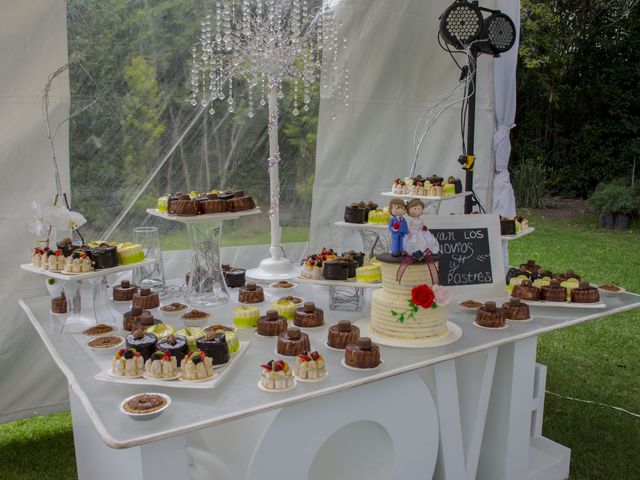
x=466 y=258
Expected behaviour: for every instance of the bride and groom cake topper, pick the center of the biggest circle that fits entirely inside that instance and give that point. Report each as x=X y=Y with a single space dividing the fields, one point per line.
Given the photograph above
x=409 y=235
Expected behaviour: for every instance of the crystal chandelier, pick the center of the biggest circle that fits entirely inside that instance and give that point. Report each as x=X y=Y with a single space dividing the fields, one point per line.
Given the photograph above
x=269 y=44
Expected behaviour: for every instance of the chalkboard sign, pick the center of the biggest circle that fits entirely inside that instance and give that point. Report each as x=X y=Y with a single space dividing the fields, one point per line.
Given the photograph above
x=466 y=258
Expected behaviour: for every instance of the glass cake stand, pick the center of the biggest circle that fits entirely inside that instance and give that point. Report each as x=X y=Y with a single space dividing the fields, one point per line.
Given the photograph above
x=206 y=286
x=343 y=295
x=429 y=201
x=375 y=236
x=77 y=319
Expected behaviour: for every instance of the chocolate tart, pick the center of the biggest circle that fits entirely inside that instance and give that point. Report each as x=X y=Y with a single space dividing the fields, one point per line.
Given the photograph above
x=145 y=298
x=143 y=342
x=337 y=269
x=234 y=277
x=214 y=345
x=526 y=291
x=105 y=342
x=124 y=291
x=59 y=304
x=293 y=299
x=292 y=342
x=174 y=307
x=103 y=256
x=490 y=316
x=514 y=309
x=308 y=316
x=355 y=214
x=342 y=334
x=239 y=204
x=554 y=292
x=585 y=293
x=271 y=325
x=99 y=330
x=176 y=345
x=362 y=354
x=251 y=293
x=144 y=403
x=138 y=318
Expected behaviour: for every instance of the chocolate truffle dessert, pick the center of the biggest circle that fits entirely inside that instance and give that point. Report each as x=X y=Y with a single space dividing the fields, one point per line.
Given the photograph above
x=336 y=269
x=585 y=293
x=145 y=298
x=176 y=345
x=554 y=292
x=292 y=342
x=342 y=334
x=103 y=256
x=59 y=304
x=308 y=316
x=362 y=354
x=355 y=213
x=143 y=342
x=214 y=345
x=234 y=277
x=271 y=325
x=138 y=318
x=526 y=291
x=124 y=291
x=490 y=316
x=183 y=206
x=514 y=309
x=251 y=293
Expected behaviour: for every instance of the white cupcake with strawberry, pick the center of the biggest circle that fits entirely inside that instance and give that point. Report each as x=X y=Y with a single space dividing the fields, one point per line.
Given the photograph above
x=128 y=362
x=197 y=366
x=310 y=366
x=276 y=375
x=161 y=365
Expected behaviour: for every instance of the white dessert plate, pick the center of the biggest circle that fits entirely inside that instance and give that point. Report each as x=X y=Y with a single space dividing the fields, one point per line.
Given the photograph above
x=299 y=304
x=220 y=365
x=110 y=332
x=146 y=376
x=146 y=416
x=332 y=348
x=110 y=373
x=57 y=314
x=342 y=362
x=195 y=323
x=610 y=293
x=277 y=391
x=544 y=303
x=199 y=380
x=121 y=302
x=265 y=336
x=106 y=350
x=282 y=289
x=312 y=380
x=467 y=309
x=283 y=356
x=310 y=328
x=520 y=321
x=506 y=325
x=454 y=333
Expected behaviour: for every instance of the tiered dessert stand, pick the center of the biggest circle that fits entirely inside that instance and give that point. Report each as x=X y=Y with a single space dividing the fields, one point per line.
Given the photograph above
x=206 y=286
x=343 y=295
x=77 y=320
x=429 y=201
x=375 y=236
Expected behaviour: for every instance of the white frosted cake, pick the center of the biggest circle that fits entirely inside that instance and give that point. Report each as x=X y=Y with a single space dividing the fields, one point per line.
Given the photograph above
x=394 y=313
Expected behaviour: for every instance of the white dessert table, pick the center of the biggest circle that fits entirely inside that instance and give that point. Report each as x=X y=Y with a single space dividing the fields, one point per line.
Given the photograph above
x=470 y=409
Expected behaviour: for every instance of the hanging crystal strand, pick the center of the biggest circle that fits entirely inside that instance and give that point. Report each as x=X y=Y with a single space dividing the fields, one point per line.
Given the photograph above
x=230 y=99
x=251 y=85
x=226 y=24
x=295 y=110
x=194 y=77
x=280 y=92
x=263 y=82
x=346 y=85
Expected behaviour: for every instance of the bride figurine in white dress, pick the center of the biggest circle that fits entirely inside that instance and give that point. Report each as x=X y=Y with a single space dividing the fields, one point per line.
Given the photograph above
x=419 y=237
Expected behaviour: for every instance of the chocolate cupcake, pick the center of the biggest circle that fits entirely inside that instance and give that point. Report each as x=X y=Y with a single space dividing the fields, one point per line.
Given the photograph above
x=251 y=293
x=176 y=345
x=514 y=309
x=490 y=316
x=138 y=318
x=145 y=298
x=214 y=345
x=103 y=256
x=271 y=325
x=124 y=292
x=342 y=334
x=585 y=293
x=308 y=316
x=526 y=291
x=143 y=342
x=362 y=354
x=292 y=342
x=554 y=292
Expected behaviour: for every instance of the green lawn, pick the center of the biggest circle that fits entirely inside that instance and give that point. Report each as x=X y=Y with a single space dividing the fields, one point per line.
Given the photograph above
x=596 y=361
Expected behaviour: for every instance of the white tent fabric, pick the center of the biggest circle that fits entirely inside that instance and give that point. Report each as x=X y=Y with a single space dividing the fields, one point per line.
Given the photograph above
x=504 y=86
x=397 y=72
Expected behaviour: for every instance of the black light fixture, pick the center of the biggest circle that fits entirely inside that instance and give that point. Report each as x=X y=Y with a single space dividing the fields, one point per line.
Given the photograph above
x=464 y=27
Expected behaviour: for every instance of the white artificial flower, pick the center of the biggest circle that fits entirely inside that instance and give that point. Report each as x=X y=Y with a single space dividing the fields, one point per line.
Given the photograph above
x=37 y=226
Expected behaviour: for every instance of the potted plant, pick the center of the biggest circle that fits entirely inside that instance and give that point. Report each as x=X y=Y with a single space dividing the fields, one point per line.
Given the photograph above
x=616 y=203
x=624 y=205
x=602 y=201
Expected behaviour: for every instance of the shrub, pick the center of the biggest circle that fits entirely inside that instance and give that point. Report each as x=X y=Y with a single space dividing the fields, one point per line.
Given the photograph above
x=530 y=183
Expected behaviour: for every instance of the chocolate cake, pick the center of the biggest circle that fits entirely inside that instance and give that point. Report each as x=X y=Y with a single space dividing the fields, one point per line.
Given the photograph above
x=585 y=293
x=342 y=334
x=355 y=214
x=292 y=342
x=214 y=345
x=514 y=309
x=554 y=292
x=308 y=316
x=526 y=291
x=67 y=246
x=234 y=277
x=176 y=345
x=507 y=226
x=358 y=257
x=183 y=206
x=145 y=298
x=138 y=318
x=337 y=269
x=362 y=354
x=124 y=291
x=103 y=256
x=213 y=204
x=251 y=293
x=490 y=316
x=271 y=325
x=59 y=304
x=239 y=204
x=143 y=342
